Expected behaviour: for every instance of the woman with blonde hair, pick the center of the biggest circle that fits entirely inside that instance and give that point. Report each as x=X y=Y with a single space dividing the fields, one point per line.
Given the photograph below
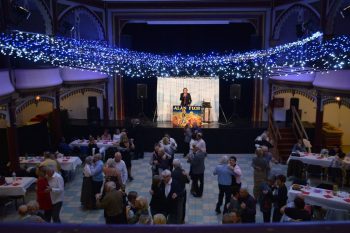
x=159 y=219
x=141 y=206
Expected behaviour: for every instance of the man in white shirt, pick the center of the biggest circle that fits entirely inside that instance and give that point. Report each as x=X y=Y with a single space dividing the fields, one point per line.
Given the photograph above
x=56 y=190
x=121 y=167
x=201 y=143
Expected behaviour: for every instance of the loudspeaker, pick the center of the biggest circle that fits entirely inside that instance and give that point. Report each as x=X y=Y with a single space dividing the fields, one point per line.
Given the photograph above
x=294 y=102
x=141 y=91
x=92 y=101
x=235 y=91
x=93 y=115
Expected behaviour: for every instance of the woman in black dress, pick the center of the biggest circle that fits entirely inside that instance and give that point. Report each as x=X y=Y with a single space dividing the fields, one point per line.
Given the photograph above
x=125 y=146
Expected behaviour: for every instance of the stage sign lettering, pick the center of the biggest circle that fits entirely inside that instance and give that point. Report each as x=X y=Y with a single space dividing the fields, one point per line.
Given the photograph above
x=186 y=115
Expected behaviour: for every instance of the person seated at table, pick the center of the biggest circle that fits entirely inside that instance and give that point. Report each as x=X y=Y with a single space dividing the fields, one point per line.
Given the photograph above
x=63 y=147
x=116 y=136
x=49 y=161
x=106 y=135
x=336 y=151
x=263 y=140
x=33 y=211
x=298 y=212
x=92 y=145
x=299 y=146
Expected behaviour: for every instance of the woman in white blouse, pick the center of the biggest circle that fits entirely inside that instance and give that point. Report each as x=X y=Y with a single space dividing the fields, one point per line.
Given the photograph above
x=86 y=197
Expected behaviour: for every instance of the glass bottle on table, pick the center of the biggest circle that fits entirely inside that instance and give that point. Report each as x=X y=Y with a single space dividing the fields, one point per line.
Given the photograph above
x=13 y=176
x=335 y=189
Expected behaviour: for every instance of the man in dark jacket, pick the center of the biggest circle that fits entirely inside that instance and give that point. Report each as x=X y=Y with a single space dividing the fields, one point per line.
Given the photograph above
x=197 y=171
x=171 y=191
x=280 y=197
x=180 y=175
x=112 y=203
x=248 y=206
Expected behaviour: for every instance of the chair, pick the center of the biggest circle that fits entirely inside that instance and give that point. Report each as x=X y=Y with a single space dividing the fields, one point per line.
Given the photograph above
x=296 y=169
x=338 y=175
x=337 y=215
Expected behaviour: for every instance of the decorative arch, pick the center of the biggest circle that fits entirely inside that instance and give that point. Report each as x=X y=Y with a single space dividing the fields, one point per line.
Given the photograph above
x=287 y=13
x=330 y=100
x=46 y=15
x=32 y=100
x=331 y=16
x=307 y=94
x=82 y=10
x=81 y=91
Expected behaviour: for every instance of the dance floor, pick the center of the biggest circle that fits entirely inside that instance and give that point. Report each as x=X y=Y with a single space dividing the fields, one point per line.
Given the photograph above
x=198 y=211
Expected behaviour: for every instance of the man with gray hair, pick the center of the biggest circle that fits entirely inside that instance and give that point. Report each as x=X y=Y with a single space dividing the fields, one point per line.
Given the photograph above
x=182 y=177
x=224 y=174
x=56 y=190
x=112 y=203
x=171 y=191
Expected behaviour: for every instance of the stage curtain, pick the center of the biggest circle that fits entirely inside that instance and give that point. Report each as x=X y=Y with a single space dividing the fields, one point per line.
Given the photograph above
x=170 y=88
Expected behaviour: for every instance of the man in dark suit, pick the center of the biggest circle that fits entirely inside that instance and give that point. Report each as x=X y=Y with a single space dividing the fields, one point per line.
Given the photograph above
x=185 y=98
x=197 y=171
x=181 y=176
x=171 y=190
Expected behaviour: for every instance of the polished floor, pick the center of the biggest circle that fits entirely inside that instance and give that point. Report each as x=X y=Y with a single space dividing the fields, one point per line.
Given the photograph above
x=198 y=211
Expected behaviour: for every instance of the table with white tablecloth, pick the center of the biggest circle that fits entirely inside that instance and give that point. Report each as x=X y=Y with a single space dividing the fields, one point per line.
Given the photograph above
x=99 y=143
x=322 y=197
x=68 y=163
x=16 y=188
x=313 y=159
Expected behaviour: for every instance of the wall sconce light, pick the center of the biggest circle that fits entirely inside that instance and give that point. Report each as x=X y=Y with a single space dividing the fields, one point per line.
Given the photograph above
x=37 y=99
x=338 y=99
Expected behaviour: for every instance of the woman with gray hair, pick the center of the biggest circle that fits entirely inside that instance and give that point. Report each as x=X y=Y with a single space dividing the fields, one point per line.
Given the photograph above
x=86 y=197
x=112 y=173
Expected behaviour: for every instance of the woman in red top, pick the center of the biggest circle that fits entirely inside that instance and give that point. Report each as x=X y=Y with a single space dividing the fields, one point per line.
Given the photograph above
x=43 y=197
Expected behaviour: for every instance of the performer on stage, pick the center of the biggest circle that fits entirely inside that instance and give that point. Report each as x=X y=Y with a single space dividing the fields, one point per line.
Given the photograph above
x=185 y=98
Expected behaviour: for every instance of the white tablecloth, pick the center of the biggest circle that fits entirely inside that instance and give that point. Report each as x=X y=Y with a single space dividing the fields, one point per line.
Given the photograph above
x=313 y=159
x=99 y=143
x=17 y=188
x=67 y=163
x=316 y=196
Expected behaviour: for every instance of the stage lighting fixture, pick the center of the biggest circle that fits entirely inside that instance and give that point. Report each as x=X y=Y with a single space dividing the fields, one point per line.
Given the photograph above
x=345 y=12
x=19 y=14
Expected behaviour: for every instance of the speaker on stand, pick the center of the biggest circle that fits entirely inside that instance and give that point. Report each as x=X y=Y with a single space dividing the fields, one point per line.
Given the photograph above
x=235 y=95
x=93 y=112
x=141 y=96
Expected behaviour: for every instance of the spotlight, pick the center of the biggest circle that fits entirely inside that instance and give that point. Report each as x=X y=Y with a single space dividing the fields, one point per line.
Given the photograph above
x=345 y=12
x=337 y=98
x=37 y=98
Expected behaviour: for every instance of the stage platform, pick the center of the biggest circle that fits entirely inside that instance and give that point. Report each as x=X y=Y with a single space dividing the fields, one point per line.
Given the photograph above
x=236 y=137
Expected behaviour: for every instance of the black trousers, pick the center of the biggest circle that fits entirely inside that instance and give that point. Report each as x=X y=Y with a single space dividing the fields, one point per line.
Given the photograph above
x=276 y=214
x=267 y=216
x=96 y=188
x=56 y=209
x=224 y=190
x=198 y=188
x=47 y=215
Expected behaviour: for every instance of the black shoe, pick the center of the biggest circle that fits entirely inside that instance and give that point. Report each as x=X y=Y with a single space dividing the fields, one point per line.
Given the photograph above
x=218 y=211
x=131 y=178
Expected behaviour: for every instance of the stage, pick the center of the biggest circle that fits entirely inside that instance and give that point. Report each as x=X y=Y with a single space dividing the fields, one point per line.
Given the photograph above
x=235 y=137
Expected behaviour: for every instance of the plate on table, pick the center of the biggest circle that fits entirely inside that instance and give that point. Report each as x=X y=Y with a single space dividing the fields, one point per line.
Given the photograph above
x=328 y=196
x=305 y=192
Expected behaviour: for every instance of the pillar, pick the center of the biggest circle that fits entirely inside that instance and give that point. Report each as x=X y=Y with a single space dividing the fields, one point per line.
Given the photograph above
x=12 y=139
x=317 y=144
x=56 y=125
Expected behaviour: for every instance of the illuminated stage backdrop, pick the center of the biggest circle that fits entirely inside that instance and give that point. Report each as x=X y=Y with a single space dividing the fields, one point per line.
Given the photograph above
x=170 y=88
